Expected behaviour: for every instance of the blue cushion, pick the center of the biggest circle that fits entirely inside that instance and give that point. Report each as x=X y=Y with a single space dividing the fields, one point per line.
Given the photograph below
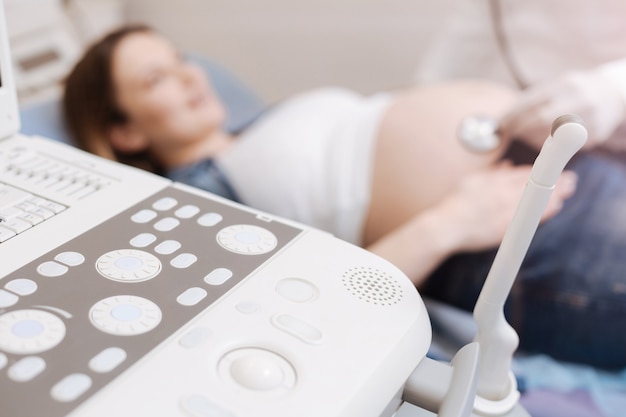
x=44 y=119
x=242 y=104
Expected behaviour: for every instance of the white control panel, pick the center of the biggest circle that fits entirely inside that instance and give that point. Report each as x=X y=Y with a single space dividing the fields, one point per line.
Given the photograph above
x=146 y=297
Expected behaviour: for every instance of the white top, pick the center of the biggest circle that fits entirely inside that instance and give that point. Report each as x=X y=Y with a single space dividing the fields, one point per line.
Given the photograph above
x=310 y=160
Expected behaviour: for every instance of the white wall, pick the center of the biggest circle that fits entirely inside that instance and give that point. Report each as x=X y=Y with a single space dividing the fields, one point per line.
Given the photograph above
x=284 y=46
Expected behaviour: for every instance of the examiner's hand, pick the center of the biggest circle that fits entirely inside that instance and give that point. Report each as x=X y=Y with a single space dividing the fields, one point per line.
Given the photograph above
x=592 y=95
x=483 y=205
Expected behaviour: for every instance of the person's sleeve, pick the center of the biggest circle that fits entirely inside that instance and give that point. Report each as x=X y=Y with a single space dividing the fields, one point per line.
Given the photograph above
x=615 y=72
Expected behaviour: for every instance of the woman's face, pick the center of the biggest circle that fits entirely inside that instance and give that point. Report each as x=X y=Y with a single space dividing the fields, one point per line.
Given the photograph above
x=167 y=99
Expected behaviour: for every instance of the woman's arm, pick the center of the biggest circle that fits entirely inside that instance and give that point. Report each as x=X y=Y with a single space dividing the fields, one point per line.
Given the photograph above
x=471 y=218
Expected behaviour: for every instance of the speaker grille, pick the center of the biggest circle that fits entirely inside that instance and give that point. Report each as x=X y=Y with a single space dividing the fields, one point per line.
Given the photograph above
x=372 y=286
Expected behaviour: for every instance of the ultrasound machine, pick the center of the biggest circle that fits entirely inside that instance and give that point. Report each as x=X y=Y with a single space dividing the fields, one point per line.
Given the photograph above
x=125 y=294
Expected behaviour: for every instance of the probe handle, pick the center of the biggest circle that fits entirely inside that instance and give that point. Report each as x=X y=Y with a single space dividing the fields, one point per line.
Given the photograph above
x=498 y=341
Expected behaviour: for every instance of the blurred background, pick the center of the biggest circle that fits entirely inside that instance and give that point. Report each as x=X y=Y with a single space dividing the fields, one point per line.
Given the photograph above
x=279 y=47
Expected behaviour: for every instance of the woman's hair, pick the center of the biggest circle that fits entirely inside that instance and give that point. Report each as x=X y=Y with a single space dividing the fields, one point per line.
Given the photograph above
x=90 y=107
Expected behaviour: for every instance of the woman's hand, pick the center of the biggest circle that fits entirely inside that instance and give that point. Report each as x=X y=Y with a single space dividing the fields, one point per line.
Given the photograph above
x=594 y=95
x=473 y=217
x=481 y=208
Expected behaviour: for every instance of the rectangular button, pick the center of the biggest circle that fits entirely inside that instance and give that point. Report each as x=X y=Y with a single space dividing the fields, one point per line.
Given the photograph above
x=6 y=234
x=11 y=196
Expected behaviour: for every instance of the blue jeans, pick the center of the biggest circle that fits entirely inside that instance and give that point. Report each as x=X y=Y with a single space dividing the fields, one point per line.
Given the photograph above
x=569 y=298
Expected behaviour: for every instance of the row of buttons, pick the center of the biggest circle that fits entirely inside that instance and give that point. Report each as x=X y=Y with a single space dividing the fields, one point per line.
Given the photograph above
x=45 y=173
x=71 y=386
x=15 y=288
x=243 y=239
x=194 y=295
x=20 y=210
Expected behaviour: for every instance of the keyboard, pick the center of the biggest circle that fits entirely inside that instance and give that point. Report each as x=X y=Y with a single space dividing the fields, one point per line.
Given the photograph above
x=21 y=210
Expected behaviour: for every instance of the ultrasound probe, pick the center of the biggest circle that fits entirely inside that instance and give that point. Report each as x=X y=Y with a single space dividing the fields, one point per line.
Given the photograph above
x=479 y=133
x=496 y=390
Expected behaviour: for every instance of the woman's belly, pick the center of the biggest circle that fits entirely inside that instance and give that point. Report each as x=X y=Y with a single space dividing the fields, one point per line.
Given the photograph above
x=418 y=158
